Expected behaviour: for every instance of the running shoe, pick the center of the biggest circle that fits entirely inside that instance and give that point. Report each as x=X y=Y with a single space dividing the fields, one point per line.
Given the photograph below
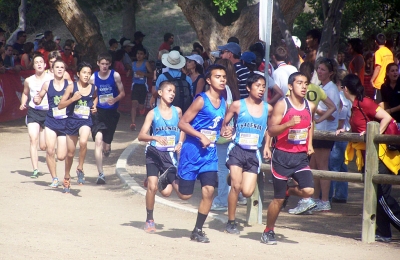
x=150 y=227
x=216 y=207
x=66 y=186
x=81 y=176
x=383 y=239
x=231 y=228
x=199 y=236
x=322 y=206
x=242 y=201
x=54 y=183
x=132 y=127
x=163 y=179
x=35 y=174
x=268 y=238
x=303 y=206
x=101 y=179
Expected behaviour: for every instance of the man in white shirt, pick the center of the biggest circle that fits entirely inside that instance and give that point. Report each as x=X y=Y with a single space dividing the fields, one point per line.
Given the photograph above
x=283 y=71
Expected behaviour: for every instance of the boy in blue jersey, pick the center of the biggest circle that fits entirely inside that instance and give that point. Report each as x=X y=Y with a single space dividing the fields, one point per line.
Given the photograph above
x=244 y=158
x=109 y=91
x=163 y=143
x=198 y=159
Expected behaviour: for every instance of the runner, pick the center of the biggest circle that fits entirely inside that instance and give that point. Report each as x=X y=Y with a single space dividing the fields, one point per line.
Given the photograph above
x=109 y=91
x=163 y=143
x=80 y=99
x=198 y=160
x=56 y=119
x=291 y=124
x=52 y=57
x=36 y=113
x=244 y=158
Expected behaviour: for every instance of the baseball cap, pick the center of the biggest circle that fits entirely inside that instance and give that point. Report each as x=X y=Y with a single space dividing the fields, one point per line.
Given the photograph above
x=39 y=36
x=248 y=57
x=232 y=47
x=197 y=58
x=127 y=43
x=138 y=35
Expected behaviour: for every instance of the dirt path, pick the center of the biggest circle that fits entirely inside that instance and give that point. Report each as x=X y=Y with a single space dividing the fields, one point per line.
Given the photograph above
x=105 y=222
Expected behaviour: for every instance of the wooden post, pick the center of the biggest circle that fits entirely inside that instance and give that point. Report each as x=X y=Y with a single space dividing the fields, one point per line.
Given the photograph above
x=371 y=168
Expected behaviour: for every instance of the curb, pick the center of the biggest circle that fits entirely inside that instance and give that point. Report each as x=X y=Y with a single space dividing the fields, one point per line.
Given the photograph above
x=122 y=173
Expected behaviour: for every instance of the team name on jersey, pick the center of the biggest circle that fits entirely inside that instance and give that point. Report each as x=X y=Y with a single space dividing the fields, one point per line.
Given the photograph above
x=167 y=128
x=105 y=88
x=302 y=117
x=250 y=125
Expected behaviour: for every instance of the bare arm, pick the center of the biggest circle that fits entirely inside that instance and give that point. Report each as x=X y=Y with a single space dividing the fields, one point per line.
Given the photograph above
x=311 y=130
x=358 y=65
x=375 y=75
x=38 y=98
x=384 y=118
x=233 y=109
x=200 y=86
x=120 y=87
x=328 y=113
x=277 y=95
x=24 y=97
x=274 y=124
x=66 y=100
x=67 y=76
x=143 y=134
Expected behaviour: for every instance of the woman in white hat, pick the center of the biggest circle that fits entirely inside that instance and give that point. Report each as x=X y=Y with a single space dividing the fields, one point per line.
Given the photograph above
x=194 y=68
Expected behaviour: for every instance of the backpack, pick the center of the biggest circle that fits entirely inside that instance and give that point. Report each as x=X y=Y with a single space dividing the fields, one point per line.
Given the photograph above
x=159 y=67
x=183 y=97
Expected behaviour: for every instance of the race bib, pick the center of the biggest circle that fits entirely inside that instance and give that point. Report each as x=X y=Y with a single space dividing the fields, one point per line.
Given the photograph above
x=170 y=144
x=298 y=136
x=137 y=77
x=103 y=99
x=248 y=141
x=44 y=105
x=82 y=111
x=59 y=113
x=211 y=135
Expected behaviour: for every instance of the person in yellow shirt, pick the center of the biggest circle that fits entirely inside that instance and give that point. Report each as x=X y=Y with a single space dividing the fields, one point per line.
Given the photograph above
x=383 y=56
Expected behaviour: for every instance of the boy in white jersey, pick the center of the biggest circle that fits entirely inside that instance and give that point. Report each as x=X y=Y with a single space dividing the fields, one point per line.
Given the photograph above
x=244 y=158
x=164 y=142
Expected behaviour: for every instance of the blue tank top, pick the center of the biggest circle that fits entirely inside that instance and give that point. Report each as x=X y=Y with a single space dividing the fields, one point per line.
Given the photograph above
x=137 y=79
x=209 y=120
x=54 y=97
x=106 y=89
x=80 y=109
x=167 y=128
x=250 y=130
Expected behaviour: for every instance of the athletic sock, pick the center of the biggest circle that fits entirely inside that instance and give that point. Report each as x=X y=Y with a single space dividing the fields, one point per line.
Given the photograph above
x=149 y=214
x=231 y=222
x=201 y=218
x=267 y=229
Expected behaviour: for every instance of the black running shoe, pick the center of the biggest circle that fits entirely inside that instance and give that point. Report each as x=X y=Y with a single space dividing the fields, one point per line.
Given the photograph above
x=232 y=228
x=199 y=236
x=163 y=179
x=268 y=238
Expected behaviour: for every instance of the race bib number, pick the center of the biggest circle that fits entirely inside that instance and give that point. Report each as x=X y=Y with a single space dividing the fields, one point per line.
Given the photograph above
x=43 y=106
x=170 y=144
x=211 y=135
x=137 y=77
x=103 y=99
x=248 y=141
x=298 y=136
x=59 y=113
x=82 y=112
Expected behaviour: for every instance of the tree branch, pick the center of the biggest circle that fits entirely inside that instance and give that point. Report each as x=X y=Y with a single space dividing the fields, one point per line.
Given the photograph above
x=21 y=23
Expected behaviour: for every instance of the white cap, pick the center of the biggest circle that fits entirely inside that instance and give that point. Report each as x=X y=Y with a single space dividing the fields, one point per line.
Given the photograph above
x=197 y=58
x=127 y=43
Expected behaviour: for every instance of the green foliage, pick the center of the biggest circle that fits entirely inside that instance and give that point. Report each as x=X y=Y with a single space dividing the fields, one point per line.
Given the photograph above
x=223 y=5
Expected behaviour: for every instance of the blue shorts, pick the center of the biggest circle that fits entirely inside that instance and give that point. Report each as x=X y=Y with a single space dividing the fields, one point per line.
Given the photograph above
x=195 y=160
x=73 y=125
x=57 y=125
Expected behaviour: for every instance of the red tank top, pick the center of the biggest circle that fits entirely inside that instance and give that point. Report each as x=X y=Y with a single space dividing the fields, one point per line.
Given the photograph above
x=295 y=138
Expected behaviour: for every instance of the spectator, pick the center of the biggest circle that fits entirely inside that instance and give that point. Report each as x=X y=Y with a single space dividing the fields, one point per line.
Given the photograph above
x=340 y=61
x=197 y=47
x=283 y=71
x=231 y=51
x=9 y=59
x=38 y=37
x=312 y=41
x=390 y=91
x=113 y=43
x=357 y=64
x=194 y=68
x=249 y=60
x=233 y=39
x=26 y=59
x=57 y=40
x=138 y=41
x=48 y=36
x=118 y=64
x=168 y=41
x=48 y=46
x=68 y=58
x=369 y=69
x=19 y=44
x=127 y=47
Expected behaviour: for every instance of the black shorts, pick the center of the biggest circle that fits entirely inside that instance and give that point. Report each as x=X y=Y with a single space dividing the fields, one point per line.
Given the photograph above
x=139 y=93
x=105 y=121
x=248 y=160
x=158 y=161
x=56 y=125
x=323 y=144
x=186 y=187
x=285 y=165
x=73 y=125
x=36 y=116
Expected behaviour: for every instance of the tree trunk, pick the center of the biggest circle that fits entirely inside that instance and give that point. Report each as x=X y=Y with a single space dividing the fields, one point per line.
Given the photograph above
x=21 y=23
x=213 y=30
x=129 y=19
x=83 y=25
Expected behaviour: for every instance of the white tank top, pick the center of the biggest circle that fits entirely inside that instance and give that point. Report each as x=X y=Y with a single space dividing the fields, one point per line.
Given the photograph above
x=35 y=85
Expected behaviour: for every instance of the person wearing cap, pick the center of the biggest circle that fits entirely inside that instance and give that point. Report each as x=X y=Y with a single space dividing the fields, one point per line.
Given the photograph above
x=231 y=51
x=138 y=41
x=113 y=43
x=38 y=37
x=194 y=68
x=283 y=71
x=175 y=62
x=168 y=41
x=127 y=47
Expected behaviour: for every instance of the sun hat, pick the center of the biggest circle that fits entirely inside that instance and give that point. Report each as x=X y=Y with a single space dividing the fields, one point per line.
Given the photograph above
x=197 y=58
x=173 y=60
x=232 y=47
x=248 y=57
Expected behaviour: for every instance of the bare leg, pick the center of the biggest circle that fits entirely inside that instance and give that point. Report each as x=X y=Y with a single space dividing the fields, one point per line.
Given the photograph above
x=151 y=192
x=135 y=105
x=51 y=139
x=33 y=131
x=61 y=147
x=84 y=133
x=206 y=199
x=98 y=151
x=71 y=145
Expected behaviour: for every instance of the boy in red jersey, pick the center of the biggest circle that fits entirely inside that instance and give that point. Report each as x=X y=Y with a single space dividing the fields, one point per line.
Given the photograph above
x=291 y=124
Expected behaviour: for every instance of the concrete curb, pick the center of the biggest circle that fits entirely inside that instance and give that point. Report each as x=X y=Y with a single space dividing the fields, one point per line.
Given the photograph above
x=122 y=173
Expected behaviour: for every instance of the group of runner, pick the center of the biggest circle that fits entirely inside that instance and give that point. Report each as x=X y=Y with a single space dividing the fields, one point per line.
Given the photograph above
x=60 y=111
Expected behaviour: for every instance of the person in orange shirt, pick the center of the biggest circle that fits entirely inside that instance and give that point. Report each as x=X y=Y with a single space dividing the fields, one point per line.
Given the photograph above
x=357 y=64
x=383 y=56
